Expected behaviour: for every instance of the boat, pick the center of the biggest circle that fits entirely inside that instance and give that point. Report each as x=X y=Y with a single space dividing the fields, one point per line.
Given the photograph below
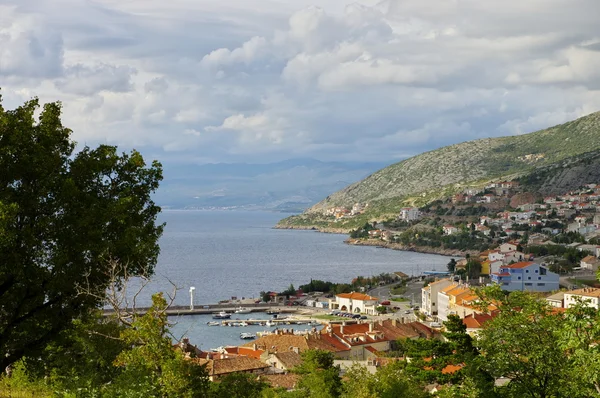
x=247 y=336
x=243 y=323
x=269 y=323
x=222 y=315
x=242 y=310
x=212 y=323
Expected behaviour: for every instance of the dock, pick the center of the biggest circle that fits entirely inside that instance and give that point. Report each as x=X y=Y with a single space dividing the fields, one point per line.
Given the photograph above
x=203 y=309
x=228 y=322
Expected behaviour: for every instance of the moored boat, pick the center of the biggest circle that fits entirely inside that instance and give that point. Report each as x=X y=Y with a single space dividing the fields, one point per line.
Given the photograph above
x=242 y=310
x=247 y=336
x=221 y=315
x=212 y=323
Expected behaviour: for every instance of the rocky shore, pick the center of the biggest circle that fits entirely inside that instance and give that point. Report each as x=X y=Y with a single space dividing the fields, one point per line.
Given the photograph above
x=326 y=230
x=418 y=249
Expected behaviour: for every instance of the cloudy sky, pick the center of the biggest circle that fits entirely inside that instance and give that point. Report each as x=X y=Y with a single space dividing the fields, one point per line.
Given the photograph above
x=265 y=80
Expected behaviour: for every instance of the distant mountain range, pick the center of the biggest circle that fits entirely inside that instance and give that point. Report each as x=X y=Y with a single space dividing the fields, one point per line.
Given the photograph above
x=289 y=186
x=557 y=158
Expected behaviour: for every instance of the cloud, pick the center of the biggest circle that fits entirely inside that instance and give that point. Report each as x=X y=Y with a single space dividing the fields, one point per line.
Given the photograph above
x=272 y=79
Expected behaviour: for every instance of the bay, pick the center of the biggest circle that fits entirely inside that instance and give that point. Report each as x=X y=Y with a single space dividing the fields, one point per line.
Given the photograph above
x=238 y=253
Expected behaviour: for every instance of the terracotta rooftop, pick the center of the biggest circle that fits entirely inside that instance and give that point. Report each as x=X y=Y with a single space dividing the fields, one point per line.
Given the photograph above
x=289 y=359
x=287 y=381
x=356 y=296
x=279 y=343
x=476 y=321
x=586 y=291
x=522 y=264
x=590 y=259
x=217 y=367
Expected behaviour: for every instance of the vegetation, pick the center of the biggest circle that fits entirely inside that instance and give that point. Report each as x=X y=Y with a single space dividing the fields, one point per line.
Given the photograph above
x=64 y=216
x=440 y=173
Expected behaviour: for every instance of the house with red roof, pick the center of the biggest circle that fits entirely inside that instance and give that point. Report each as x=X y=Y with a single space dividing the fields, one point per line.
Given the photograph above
x=355 y=303
x=526 y=276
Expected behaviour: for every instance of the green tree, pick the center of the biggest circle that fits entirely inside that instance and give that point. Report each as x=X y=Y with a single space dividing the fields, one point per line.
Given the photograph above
x=389 y=381
x=237 y=385
x=521 y=344
x=452 y=265
x=62 y=216
x=319 y=377
x=150 y=366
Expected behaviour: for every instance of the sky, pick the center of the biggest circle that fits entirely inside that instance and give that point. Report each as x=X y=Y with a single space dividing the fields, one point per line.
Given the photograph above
x=206 y=81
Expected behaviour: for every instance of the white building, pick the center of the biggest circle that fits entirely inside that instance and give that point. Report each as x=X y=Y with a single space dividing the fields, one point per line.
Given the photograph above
x=588 y=295
x=429 y=296
x=526 y=276
x=355 y=303
x=409 y=214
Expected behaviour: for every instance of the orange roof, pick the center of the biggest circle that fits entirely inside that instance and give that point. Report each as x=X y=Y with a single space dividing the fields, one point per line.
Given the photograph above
x=586 y=292
x=452 y=369
x=356 y=296
x=476 y=321
x=522 y=264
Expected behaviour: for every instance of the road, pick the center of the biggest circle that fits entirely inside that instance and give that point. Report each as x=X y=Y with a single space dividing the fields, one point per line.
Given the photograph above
x=413 y=291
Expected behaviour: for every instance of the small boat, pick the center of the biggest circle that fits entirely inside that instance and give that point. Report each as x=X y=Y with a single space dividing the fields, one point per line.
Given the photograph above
x=269 y=323
x=243 y=323
x=247 y=336
x=212 y=323
x=222 y=315
x=242 y=310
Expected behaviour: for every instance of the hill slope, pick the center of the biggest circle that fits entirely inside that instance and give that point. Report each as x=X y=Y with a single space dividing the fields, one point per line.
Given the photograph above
x=437 y=173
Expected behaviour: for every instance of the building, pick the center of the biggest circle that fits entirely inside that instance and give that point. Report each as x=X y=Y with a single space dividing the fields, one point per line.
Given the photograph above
x=409 y=214
x=590 y=263
x=355 y=303
x=588 y=295
x=449 y=229
x=556 y=300
x=429 y=296
x=526 y=276
x=222 y=365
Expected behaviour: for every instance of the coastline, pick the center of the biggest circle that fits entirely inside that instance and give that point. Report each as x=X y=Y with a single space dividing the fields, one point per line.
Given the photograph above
x=401 y=247
x=325 y=230
x=379 y=243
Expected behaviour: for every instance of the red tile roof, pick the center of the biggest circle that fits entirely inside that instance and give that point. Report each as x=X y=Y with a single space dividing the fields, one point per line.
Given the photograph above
x=522 y=264
x=356 y=296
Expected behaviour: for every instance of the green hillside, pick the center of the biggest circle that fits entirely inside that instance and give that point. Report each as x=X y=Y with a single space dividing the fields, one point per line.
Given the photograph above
x=441 y=172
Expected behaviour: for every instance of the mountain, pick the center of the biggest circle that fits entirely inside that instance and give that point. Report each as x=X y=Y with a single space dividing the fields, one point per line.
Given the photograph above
x=439 y=173
x=290 y=185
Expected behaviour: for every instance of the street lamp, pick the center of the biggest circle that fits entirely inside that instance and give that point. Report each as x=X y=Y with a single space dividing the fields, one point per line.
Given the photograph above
x=192 y=288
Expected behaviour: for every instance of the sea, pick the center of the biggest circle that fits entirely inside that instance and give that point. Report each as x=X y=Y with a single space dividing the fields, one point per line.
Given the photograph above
x=225 y=254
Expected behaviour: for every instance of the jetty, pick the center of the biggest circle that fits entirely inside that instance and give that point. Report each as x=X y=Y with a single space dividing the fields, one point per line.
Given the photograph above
x=202 y=309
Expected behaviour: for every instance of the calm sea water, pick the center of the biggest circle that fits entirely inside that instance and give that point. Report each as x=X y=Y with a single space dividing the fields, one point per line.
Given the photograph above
x=234 y=253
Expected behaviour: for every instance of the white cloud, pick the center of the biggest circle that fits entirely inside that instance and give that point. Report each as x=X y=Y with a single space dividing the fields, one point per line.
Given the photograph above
x=273 y=79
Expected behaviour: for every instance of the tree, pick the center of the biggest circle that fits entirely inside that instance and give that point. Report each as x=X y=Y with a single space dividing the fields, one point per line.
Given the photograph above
x=319 y=377
x=63 y=215
x=521 y=344
x=237 y=385
x=150 y=365
x=452 y=265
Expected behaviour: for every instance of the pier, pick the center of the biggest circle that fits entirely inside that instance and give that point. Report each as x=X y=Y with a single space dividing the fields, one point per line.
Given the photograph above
x=177 y=310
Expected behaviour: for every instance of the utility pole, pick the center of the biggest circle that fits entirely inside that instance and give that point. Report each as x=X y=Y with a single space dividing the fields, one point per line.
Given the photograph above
x=192 y=288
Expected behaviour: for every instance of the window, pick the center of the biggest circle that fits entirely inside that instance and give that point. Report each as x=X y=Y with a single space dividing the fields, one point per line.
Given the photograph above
x=505 y=284
x=542 y=271
x=528 y=284
x=519 y=278
x=527 y=271
x=536 y=271
x=539 y=278
x=541 y=284
x=529 y=278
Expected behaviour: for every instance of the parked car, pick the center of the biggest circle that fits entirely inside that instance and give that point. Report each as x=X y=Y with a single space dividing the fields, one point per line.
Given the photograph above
x=435 y=325
x=356 y=316
x=407 y=311
x=363 y=317
x=386 y=302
